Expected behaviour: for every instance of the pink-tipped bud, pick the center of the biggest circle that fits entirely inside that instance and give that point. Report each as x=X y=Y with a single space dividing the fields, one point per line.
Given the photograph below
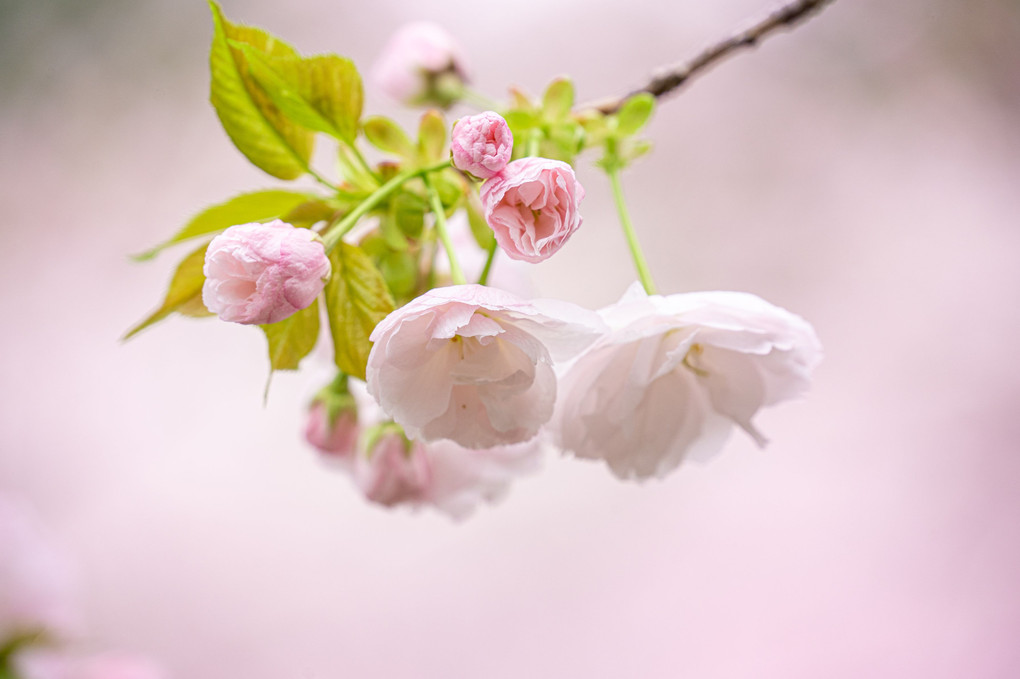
x=393 y=470
x=335 y=434
x=262 y=273
x=481 y=144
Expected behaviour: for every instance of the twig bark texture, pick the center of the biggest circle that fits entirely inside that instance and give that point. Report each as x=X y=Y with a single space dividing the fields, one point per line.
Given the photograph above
x=672 y=78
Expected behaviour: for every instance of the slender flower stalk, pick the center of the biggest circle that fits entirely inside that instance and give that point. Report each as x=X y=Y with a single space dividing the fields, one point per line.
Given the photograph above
x=444 y=234
x=628 y=231
x=356 y=152
x=479 y=100
x=534 y=138
x=334 y=234
x=483 y=279
x=319 y=178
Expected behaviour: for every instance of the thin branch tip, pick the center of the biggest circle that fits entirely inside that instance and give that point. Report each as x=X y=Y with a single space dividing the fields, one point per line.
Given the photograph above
x=669 y=79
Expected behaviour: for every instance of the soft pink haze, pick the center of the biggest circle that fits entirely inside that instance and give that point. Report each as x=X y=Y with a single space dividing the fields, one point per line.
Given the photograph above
x=860 y=171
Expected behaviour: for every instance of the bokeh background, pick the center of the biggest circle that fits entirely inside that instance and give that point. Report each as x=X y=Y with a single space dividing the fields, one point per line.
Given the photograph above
x=862 y=171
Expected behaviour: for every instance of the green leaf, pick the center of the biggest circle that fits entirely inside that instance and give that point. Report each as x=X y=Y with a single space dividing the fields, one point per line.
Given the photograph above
x=184 y=294
x=431 y=137
x=480 y=229
x=322 y=93
x=558 y=99
x=387 y=136
x=356 y=300
x=400 y=270
x=633 y=151
x=293 y=338
x=310 y=212
x=634 y=114
x=253 y=122
x=242 y=209
x=408 y=211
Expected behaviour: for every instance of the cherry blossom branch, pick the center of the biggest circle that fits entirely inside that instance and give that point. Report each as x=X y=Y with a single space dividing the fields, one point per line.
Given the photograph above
x=672 y=78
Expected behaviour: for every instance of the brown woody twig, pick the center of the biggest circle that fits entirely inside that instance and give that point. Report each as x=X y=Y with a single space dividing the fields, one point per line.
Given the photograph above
x=672 y=78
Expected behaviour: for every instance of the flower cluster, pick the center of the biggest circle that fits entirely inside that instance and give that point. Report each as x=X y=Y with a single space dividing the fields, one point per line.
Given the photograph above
x=390 y=469
x=447 y=387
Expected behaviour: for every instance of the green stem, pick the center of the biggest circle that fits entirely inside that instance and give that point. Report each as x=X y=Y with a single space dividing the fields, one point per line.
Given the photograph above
x=484 y=278
x=534 y=138
x=444 y=235
x=628 y=230
x=482 y=102
x=333 y=235
x=356 y=152
x=319 y=178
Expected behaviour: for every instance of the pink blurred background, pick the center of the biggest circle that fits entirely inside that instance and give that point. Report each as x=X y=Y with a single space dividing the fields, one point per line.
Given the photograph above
x=862 y=171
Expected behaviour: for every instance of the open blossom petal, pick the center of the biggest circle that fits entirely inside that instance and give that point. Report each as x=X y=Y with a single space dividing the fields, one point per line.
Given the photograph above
x=474 y=364
x=675 y=373
x=532 y=207
x=263 y=273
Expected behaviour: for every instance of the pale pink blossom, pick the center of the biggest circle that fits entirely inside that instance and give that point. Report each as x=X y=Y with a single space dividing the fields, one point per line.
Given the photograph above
x=675 y=373
x=263 y=273
x=481 y=144
x=45 y=663
x=334 y=433
x=420 y=64
x=441 y=474
x=532 y=207
x=36 y=578
x=474 y=364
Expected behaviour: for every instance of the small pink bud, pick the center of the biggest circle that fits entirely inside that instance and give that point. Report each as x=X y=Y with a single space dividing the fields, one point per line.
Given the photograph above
x=336 y=435
x=421 y=64
x=532 y=207
x=481 y=144
x=263 y=273
x=393 y=471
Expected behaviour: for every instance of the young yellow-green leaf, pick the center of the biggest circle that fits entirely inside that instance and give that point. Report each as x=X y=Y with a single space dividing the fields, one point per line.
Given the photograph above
x=520 y=101
x=387 y=136
x=184 y=293
x=431 y=137
x=356 y=300
x=558 y=99
x=242 y=209
x=480 y=229
x=322 y=93
x=634 y=114
x=293 y=338
x=408 y=211
x=257 y=127
x=310 y=212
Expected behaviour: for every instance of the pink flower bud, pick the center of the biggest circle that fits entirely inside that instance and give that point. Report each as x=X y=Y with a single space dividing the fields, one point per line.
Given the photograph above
x=481 y=144
x=532 y=207
x=421 y=64
x=394 y=471
x=336 y=434
x=263 y=273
